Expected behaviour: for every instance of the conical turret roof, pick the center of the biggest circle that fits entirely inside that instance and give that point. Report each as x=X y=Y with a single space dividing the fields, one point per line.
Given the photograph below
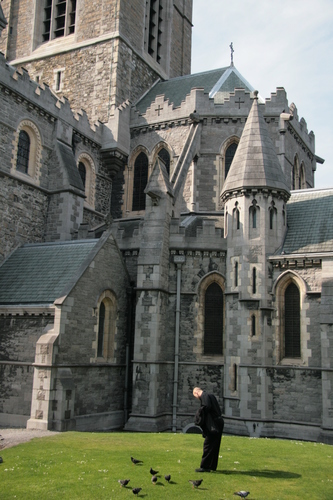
x=255 y=165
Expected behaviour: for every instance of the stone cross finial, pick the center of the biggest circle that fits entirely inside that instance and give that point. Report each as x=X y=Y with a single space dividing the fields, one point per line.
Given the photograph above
x=232 y=53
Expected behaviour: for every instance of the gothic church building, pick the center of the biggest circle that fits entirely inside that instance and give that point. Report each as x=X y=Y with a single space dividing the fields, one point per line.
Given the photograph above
x=159 y=230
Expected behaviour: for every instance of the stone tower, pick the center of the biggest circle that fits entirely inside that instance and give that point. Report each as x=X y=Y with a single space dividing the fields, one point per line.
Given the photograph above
x=98 y=54
x=255 y=196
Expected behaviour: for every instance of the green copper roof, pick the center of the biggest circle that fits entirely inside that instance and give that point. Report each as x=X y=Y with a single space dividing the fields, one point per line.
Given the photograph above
x=38 y=273
x=310 y=222
x=222 y=80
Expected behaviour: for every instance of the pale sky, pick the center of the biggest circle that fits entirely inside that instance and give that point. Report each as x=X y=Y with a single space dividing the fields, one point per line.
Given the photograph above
x=277 y=43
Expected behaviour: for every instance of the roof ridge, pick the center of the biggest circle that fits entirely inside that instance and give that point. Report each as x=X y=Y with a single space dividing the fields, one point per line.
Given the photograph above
x=59 y=243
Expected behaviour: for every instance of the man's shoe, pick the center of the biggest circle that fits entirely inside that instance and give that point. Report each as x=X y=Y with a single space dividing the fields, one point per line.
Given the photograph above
x=202 y=470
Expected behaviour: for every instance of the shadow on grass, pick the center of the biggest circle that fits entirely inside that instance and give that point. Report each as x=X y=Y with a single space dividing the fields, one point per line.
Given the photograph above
x=270 y=474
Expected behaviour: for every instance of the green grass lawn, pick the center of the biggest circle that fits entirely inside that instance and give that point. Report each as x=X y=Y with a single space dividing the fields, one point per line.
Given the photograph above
x=77 y=465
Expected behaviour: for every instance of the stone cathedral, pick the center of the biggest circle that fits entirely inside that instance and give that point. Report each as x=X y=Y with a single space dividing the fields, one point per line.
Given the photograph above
x=159 y=230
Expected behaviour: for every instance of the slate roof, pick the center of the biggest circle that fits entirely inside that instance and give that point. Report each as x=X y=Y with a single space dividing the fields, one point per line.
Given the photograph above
x=255 y=163
x=310 y=222
x=222 y=80
x=39 y=273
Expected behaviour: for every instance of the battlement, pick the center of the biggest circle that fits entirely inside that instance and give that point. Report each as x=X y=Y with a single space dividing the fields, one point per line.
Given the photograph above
x=39 y=96
x=198 y=233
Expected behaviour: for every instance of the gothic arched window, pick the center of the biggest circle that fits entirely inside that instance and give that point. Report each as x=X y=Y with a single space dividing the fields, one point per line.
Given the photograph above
x=236 y=274
x=87 y=171
x=253 y=325
x=254 y=280
x=213 y=333
x=165 y=157
x=302 y=181
x=23 y=152
x=101 y=327
x=292 y=328
x=140 y=182
x=236 y=218
x=82 y=172
x=229 y=156
x=107 y=312
x=254 y=218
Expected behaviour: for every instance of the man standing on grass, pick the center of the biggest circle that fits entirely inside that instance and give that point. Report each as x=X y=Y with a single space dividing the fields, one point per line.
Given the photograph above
x=209 y=418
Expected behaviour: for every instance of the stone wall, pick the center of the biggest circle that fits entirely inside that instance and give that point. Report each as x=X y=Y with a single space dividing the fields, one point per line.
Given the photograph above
x=18 y=338
x=20 y=22
x=296 y=394
x=98 y=389
x=24 y=211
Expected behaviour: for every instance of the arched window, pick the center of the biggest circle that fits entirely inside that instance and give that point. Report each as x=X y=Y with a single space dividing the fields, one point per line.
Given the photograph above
x=292 y=323
x=106 y=327
x=27 y=151
x=254 y=218
x=235 y=376
x=236 y=218
x=82 y=172
x=295 y=179
x=254 y=280
x=23 y=152
x=86 y=168
x=253 y=325
x=140 y=182
x=272 y=216
x=213 y=330
x=165 y=157
x=236 y=274
x=229 y=156
x=302 y=180
x=101 y=328
x=271 y=219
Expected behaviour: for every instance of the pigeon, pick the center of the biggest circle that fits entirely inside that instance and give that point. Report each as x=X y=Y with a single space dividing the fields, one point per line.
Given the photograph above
x=242 y=494
x=153 y=472
x=1 y=460
x=167 y=478
x=135 y=461
x=136 y=491
x=123 y=482
x=195 y=483
x=154 y=479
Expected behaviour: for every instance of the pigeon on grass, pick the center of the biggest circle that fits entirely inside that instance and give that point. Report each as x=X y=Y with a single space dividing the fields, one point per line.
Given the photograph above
x=153 y=472
x=136 y=491
x=135 y=461
x=195 y=483
x=123 y=482
x=167 y=478
x=242 y=494
x=154 y=479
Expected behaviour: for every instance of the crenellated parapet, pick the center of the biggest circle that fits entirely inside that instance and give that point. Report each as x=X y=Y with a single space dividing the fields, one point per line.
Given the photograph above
x=40 y=98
